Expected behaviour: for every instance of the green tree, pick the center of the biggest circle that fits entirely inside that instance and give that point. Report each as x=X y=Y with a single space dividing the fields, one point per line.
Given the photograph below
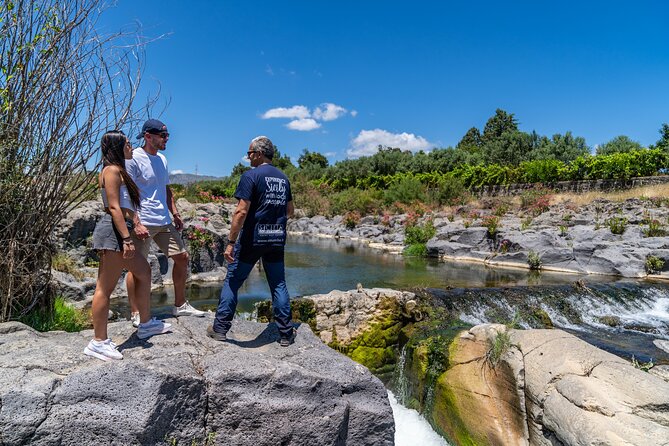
x=282 y=161
x=565 y=148
x=471 y=142
x=511 y=148
x=663 y=142
x=239 y=169
x=499 y=124
x=308 y=158
x=619 y=144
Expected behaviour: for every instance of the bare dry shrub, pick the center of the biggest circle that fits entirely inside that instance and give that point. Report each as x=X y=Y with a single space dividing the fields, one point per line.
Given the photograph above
x=62 y=84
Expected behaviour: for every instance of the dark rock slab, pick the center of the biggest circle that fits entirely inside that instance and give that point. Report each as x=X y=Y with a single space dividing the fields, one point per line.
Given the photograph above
x=183 y=387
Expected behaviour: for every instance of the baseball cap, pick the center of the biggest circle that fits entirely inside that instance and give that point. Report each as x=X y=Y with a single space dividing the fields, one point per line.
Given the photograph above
x=152 y=126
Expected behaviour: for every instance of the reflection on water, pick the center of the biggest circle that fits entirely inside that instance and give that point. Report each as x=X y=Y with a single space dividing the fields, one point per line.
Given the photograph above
x=315 y=266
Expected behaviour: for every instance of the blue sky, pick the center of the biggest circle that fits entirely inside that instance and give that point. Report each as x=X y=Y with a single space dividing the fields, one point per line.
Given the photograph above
x=342 y=77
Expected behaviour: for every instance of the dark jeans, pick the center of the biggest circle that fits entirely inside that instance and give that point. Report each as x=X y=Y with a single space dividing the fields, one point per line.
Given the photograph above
x=238 y=271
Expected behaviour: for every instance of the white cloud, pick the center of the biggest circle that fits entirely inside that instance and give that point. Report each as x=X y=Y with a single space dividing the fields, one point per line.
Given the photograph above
x=330 y=154
x=176 y=172
x=303 y=125
x=269 y=70
x=354 y=113
x=294 y=112
x=367 y=142
x=329 y=112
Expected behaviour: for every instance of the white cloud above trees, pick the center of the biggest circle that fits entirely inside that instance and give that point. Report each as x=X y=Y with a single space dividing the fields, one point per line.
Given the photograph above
x=368 y=141
x=294 y=112
x=329 y=112
x=303 y=119
x=303 y=125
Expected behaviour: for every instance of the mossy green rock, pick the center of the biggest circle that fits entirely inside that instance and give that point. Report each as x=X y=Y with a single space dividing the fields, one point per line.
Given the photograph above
x=373 y=358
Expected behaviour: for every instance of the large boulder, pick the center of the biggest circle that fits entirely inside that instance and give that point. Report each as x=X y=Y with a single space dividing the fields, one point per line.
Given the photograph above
x=577 y=394
x=545 y=388
x=75 y=227
x=184 y=388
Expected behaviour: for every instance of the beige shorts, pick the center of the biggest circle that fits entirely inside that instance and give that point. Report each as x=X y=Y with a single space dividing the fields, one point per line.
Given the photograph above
x=166 y=237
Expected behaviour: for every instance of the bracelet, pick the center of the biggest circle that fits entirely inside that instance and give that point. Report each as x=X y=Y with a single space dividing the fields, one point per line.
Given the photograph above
x=231 y=242
x=129 y=241
x=178 y=215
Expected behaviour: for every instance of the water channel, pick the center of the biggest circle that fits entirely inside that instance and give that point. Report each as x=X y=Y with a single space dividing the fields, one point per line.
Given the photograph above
x=316 y=266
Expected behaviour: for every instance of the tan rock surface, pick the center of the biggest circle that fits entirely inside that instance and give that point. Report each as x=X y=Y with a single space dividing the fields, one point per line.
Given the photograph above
x=488 y=401
x=579 y=395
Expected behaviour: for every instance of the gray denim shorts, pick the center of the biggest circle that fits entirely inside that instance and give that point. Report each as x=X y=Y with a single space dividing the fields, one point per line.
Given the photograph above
x=106 y=236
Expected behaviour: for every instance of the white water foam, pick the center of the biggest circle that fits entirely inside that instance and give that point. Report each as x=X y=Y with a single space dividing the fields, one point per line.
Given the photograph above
x=411 y=429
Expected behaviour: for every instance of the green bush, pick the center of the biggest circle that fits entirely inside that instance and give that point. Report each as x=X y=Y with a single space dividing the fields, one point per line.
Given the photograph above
x=352 y=199
x=655 y=229
x=311 y=196
x=448 y=190
x=414 y=234
x=416 y=250
x=63 y=316
x=542 y=171
x=617 y=225
x=534 y=260
x=492 y=223
x=406 y=190
x=654 y=264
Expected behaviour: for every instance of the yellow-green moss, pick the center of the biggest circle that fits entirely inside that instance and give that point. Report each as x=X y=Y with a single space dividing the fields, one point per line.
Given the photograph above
x=543 y=318
x=372 y=357
x=446 y=418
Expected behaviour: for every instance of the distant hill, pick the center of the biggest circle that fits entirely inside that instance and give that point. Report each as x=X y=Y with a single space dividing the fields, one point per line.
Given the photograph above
x=187 y=178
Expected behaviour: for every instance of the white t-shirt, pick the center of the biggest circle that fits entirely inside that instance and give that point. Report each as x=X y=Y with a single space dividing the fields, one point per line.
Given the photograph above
x=150 y=174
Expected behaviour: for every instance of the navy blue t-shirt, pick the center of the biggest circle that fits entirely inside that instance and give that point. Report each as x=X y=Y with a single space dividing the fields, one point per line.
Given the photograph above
x=268 y=190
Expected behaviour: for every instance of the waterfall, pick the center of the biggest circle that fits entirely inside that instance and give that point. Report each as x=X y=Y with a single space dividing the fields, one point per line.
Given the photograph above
x=411 y=429
x=400 y=384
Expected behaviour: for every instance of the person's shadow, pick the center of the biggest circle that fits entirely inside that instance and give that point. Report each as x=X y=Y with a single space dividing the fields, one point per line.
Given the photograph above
x=133 y=341
x=269 y=335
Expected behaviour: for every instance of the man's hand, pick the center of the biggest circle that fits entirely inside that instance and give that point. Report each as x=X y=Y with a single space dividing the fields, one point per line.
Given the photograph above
x=141 y=232
x=128 y=250
x=229 y=253
x=178 y=223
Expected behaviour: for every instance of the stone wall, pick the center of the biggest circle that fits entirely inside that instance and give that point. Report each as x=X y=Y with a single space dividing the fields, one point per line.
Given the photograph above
x=571 y=186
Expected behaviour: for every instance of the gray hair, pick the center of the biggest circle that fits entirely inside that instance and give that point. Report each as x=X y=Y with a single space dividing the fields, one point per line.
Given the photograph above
x=263 y=145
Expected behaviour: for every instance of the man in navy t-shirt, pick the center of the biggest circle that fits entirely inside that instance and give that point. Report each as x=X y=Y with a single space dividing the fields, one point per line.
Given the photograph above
x=258 y=231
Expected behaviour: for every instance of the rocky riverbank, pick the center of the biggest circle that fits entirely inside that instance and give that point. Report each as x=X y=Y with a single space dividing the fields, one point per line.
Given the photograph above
x=562 y=237
x=184 y=388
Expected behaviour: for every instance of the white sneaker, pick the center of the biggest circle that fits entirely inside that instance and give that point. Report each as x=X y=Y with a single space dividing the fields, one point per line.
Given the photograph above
x=104 y=350
x=187 y=310
x=134 y=317
x=153 y=327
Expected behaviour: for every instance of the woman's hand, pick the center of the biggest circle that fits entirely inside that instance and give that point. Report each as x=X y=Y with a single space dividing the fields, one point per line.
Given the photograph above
x=128 y=250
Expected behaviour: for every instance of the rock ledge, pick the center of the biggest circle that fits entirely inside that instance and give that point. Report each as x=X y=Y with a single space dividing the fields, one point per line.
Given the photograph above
x=183 y=387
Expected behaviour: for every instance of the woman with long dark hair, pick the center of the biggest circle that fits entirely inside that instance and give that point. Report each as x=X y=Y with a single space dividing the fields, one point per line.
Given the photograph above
x=113 y=240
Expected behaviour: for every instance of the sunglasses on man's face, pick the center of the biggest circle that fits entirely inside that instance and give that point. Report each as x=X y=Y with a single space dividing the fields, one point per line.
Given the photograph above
x=249 y=153
x=162 y=134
